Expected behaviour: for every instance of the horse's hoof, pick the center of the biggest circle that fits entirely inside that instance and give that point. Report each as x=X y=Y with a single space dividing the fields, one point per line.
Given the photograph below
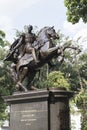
x=36 y=61
x=33 y=88
x=17 y=87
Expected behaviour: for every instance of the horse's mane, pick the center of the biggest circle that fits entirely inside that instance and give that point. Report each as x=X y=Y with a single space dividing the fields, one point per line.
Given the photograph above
x=43 y=29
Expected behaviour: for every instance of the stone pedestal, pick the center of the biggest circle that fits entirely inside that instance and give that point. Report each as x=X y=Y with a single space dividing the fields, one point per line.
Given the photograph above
x=40 y=110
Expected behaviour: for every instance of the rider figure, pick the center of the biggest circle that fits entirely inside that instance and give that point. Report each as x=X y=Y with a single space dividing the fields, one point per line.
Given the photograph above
x=21 y=49
x=25 y=41
x=29 y=40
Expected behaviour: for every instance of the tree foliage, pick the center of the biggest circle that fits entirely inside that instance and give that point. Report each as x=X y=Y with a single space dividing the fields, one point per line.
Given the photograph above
x=76 y=10
x=81 y=96
x=57 y=79
x=6 y=83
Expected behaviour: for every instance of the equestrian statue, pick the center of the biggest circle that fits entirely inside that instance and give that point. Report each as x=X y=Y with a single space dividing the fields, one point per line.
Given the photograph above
x=30 y=52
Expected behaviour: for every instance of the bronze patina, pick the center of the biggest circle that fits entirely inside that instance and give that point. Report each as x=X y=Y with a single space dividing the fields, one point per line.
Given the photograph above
x=30 y=52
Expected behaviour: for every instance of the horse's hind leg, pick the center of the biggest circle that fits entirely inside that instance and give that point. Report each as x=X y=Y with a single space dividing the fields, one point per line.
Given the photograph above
x=31 y=76
x=21 y=75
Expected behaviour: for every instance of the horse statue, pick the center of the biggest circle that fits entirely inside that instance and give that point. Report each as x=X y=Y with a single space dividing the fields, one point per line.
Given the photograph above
x=26 y=65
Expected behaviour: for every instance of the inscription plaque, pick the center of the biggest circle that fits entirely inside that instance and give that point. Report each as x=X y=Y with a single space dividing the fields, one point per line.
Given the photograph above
x=27 y=116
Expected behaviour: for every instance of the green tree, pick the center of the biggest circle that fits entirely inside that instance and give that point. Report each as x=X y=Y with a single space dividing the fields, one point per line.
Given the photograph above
x=76 y=9
x=81 y=102
x=57 y=79
x=81 y=97
x=6 y=82
x=40 y=77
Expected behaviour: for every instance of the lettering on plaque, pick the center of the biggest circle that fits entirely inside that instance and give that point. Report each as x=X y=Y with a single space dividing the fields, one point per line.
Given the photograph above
x=28 y=117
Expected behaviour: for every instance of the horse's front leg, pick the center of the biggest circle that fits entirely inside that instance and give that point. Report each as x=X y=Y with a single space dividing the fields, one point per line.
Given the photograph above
x=50 y=50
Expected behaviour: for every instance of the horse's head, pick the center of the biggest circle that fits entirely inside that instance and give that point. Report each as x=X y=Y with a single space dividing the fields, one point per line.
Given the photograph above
x=51 y=33
x=44 y=38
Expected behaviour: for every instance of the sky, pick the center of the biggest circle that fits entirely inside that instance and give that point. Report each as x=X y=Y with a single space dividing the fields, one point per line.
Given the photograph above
x=15 y=14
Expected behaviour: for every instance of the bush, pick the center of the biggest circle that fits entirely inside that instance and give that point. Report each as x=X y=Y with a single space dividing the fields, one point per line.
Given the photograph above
x=56 y=79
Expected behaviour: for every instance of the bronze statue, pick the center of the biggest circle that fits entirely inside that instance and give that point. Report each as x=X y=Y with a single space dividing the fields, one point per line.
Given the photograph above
x=30 y=52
